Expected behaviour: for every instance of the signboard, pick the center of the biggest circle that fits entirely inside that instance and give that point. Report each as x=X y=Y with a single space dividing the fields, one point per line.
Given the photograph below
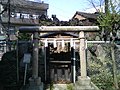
x=27 y=57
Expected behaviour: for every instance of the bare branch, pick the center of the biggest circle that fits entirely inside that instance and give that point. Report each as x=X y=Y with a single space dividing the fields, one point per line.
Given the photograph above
x=91 y=1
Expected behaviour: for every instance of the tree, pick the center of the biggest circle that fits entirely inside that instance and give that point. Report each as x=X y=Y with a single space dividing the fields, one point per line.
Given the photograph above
x=109 y=23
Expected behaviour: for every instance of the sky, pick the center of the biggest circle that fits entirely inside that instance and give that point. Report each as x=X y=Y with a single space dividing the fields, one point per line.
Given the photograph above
x=65 y=9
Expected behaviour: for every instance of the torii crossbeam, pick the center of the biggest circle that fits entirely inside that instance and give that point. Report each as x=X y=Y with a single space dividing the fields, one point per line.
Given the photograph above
x=58 y=29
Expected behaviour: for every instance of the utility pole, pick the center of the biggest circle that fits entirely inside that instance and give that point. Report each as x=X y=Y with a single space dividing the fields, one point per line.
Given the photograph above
x=8 y=32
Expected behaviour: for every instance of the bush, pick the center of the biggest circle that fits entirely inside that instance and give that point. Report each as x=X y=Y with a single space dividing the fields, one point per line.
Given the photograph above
x=104 y=81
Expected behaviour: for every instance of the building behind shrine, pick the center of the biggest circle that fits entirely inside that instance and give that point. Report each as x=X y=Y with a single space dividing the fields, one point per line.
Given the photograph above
x=16 y=13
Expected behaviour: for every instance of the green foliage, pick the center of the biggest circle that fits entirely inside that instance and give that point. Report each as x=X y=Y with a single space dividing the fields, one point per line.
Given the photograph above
x=105 y=21
x=24 y=36
x=109 y=22
x=51 y=86
x=69 y=87
x=103 y=80
x=8 y=68
x=118 y=76
x=100 y=68
x=111 y=18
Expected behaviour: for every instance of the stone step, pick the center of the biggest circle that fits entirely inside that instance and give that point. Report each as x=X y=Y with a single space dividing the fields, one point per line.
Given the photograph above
x=35 y=84
x=32 y=87
x=61 y=86
x=84 y=88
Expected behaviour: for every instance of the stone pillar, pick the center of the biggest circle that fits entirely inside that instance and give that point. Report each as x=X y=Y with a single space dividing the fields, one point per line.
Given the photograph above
x=35 y=55
x=35 y=81
x=84 y=82
x=82 y=54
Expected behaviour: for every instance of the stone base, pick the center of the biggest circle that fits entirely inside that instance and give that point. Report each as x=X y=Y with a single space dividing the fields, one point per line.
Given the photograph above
x=84 y=81
x=35 y=84
x=84 y=84
x=61 y=87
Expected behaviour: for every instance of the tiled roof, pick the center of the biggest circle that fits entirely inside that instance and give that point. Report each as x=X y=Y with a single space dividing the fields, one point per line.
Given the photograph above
x=87 y=15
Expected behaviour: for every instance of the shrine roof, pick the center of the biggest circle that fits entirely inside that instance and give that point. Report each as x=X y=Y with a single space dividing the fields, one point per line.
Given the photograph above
x=47 y=35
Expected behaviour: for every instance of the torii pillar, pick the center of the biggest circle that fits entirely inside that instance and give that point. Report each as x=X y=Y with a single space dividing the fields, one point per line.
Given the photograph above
x=35 y=80
x=35 y=55
x=82 y=53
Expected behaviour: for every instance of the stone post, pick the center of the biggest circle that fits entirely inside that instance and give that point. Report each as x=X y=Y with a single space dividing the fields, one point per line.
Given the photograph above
x=84 y=82
x=35 y=55
x=82 y=54
x=35 y=80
